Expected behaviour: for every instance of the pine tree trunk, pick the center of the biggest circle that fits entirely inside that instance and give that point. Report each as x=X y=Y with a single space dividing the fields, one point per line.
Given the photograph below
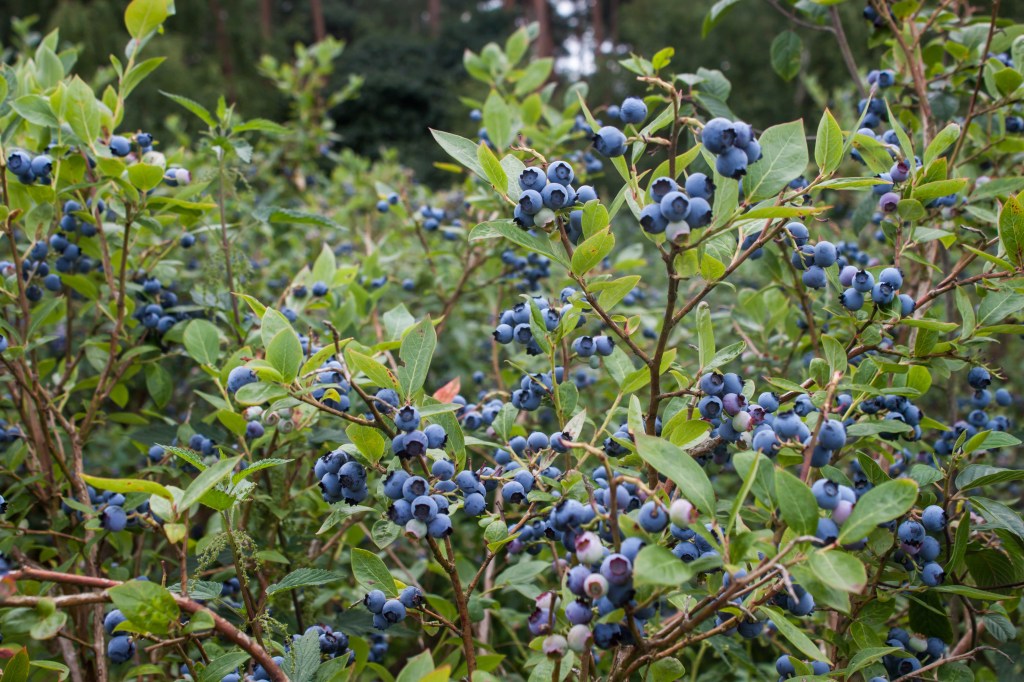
x=545 y=46
x=316 y=8
x=434 y=17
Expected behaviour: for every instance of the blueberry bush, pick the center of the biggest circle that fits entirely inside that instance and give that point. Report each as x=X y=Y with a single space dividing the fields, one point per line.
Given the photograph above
x=646 y=393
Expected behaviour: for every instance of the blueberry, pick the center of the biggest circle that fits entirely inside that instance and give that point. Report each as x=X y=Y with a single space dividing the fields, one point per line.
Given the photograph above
x=120 y=145
x=556 y=196
x=240 y=376
x=814 y=277
x=934 y=518
x=112 y=620
x=120 y=649
x=633 y=110
x=863 y=281
x=560 y=173
x=719 y=135
x=979 y=378
x=407 y=418
x=652 y=220
x=531 y=202
x=700 y=185
x=532 y=178
x=826 y=493
x=610 y=141
x=882 y=293
x=699 y=214
x=660 y=187
x=932 y=574
x=393 y=611
x=617 y=569
x=675 y=206
x=892 y=277
x=652 y=517
x=889 y=202
x=732 y=163
x=851 y=299
x=825 y=254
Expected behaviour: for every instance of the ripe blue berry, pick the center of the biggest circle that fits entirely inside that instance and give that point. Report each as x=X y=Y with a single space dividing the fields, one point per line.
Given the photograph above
x=633 y=110
x=610 y=141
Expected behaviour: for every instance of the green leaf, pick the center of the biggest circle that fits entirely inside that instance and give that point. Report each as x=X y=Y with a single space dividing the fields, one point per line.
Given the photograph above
x=35 y=109
x=206 y=481
x=260 y=465
x=980 y=475
x=656 y=565
x=784 y=150
x=705 y=335
x=193 y=106
x=417 y=668
x=794 y=634
x=534 y=75
x=592 y=251
x=417 y=351
x=835 y=354
x=838 y=570
x=460 y=149
x=128 y=485
x=17 y=668
x=202 y=342
x=144 y=176
x=998 y=515
x=785 y=55
x=865 y=657
x=677 y=465
x=261 y=125
x=828 y=147
x=509 y=230
x=665 y=670
x=303 y=659
x=1011 y=230
x=715 y=15
x=796 y=502
x=81 y=110
x=284 y=353
x=492 y=168
x=940 y=188
x=304 y=577
x=341 y=511
x=372 y=573
x=374 y=371
x=142 y=17
x=146 y=604
x=498 y=120
x=878 y=505
x=291 y=216
x=368 y=440
x=943 y=141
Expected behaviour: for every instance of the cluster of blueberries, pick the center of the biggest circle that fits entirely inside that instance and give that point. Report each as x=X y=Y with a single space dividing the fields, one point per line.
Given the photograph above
x=529 y=269
x=158 y=307
x=883 y=292
x=423 y=509
x=734 y=145
x=601 y=577
x=28 y=168
x=544 y=192
x=609 y=140
x=977 y=419
x=341 y=478
x=811 y=259
x=386 y=612
x=514 y=324
x=676 y=209
x=121 y=646
x=112 y=514
x=922 y=652
x=920 y=550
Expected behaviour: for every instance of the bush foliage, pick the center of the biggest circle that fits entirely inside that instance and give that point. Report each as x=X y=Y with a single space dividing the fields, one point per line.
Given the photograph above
x=645 y=393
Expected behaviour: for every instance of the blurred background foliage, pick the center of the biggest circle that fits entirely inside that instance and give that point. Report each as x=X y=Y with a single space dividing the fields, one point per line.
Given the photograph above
x=215 y=46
